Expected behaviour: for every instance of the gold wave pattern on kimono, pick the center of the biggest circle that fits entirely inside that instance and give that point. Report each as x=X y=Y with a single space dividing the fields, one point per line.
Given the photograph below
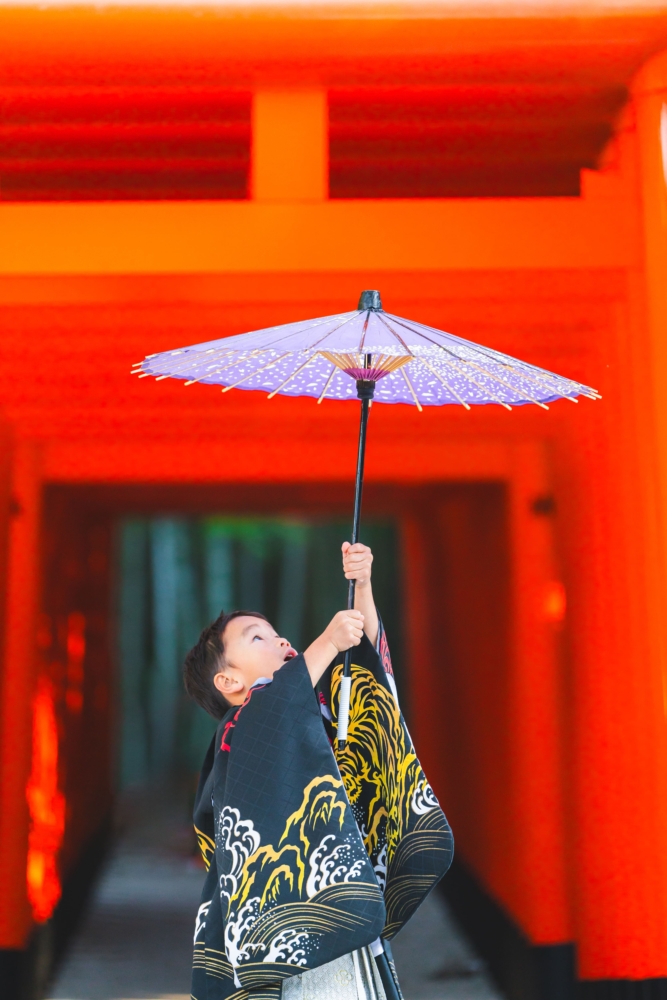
x=392 y=800
x=284 y=899
x=284 y=869
x=206 y=847
x=379 y=767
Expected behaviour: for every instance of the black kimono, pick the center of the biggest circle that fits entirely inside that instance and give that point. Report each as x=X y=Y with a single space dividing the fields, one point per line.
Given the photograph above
x=311 y=852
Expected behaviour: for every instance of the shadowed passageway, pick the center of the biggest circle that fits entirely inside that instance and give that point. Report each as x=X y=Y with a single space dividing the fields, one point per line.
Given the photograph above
x=174 y=576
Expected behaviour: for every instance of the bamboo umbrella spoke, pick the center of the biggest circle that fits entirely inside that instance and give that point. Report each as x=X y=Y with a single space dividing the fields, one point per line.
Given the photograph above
x=217 y=371
x=509 y=385
x=479 y=385
x=447 y=386
x=411 y=388
x=328 y=382
x=293 y=375
x=394 y=334
x=256 y=371
x=193 y=360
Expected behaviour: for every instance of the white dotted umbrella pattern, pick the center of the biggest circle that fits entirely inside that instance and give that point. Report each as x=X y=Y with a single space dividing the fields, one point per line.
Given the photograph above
x=410 y=362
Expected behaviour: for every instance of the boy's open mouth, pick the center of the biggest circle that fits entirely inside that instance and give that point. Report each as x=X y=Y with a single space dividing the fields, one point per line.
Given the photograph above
x=289 y=655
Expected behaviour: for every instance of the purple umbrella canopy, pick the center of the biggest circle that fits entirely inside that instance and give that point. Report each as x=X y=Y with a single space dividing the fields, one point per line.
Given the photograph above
x=409 y=362
x=367 y=354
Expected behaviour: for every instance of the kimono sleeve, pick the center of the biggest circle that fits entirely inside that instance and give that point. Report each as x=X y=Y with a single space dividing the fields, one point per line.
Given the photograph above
x=406 y=834
x=295 y=883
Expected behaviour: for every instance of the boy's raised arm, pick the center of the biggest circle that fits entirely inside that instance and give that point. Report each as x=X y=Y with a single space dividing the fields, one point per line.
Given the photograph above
x=347 y=627
x=357 y=564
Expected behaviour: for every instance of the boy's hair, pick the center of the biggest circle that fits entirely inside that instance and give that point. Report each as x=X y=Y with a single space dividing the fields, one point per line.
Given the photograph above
x=206 y=659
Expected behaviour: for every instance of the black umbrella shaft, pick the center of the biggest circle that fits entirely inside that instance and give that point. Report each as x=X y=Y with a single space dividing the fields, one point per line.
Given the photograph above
x=358 y=490
x=391 y=988
x=365 y=390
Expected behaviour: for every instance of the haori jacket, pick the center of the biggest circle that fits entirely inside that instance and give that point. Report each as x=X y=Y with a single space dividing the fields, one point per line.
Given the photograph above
x=311 y=852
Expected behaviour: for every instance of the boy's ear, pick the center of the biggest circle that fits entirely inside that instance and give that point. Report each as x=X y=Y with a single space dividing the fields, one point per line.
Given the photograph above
x=227 y=683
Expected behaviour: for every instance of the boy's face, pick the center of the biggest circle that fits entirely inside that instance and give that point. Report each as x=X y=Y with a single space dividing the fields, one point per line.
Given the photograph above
x=253 y=649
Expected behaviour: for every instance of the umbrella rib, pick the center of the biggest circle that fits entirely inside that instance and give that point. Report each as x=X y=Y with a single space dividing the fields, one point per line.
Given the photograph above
x=335 y=330
x=446 y=384
x=530 y=376
x=312 y=325
x=441 y=347
x=496 y=398
x=509 y=385
x=363 y=331
x=584 y=390
x=545 y=385
x=197 y=364
x=394 y=334
x=189 y=363
x=327 y=383
x=414 y=327
x=194 y=358
x=294 y=373
x=308 y=324
x=216 y=371
x=483 y=388
x=256 y=371
x=179 y=368
x=410 y=387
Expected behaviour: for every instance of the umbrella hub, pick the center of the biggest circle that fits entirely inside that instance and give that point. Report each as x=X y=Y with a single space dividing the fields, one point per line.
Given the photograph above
x=365 y=388
x=366 y=367
x=370 y=299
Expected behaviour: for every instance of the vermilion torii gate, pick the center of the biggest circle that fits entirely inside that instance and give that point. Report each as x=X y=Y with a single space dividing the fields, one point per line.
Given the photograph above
x=543 y=723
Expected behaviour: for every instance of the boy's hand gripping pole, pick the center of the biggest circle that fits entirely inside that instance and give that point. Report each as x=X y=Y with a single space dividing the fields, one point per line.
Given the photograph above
x=365 y=392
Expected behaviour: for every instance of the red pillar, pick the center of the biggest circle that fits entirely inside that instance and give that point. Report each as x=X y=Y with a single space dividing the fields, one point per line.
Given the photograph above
x=484 y=611
x=18 y=688
x=618 y=490
x=534 y=876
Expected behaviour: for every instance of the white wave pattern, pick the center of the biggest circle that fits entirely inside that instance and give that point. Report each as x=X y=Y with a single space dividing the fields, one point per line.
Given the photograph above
x=237 y=839
x=236 y=927
x=332 y=865
x=200 y=921
x=380 y=867
x=286 y=947
x=423 y=799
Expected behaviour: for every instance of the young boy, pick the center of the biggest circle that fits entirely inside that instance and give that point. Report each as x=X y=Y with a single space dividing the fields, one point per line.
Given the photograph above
x=316 y=856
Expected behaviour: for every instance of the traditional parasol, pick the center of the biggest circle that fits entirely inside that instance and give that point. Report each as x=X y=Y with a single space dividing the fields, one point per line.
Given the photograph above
x=370 y=355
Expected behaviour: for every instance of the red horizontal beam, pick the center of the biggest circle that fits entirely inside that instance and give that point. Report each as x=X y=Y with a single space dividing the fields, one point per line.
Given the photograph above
x=509 y=100
x=25 y=105
x=154 y=165
x=123 y=131
x=528 y=151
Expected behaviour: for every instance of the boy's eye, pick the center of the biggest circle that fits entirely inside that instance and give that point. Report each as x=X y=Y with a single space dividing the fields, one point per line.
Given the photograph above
x=256 y=637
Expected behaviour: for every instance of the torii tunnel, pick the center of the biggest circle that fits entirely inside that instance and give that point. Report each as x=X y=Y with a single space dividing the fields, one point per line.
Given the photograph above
x=170 y=175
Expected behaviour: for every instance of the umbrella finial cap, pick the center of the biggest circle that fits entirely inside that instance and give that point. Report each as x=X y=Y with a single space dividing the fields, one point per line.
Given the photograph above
x=370 y=300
